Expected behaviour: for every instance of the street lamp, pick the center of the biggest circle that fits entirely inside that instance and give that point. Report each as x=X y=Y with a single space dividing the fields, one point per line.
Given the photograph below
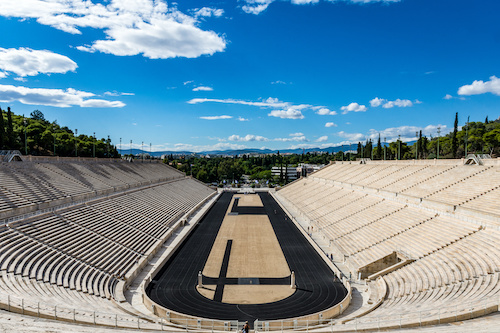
x=108 y=144
x=93 y=150
x=76 y=142
x=439 y=136
x=54 y=135
x=130 y=148
x=121 y=146
x=416 y=146
x=399 y=147
x=466 y=134
x=25 y=137
x=385 y=147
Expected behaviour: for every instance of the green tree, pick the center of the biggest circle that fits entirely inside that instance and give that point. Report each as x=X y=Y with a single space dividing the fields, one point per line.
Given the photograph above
x=37 y=115
x=202 y=175
x=10 y=130
x=379 y=149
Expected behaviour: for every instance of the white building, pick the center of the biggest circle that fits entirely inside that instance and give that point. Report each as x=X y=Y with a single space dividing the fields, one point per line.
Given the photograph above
x=291 y=172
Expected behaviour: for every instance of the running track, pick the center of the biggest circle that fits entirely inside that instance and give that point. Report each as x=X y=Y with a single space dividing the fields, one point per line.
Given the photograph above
x=174 y=287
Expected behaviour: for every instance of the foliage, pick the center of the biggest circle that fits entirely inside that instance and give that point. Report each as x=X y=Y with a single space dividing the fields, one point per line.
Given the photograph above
x=38 y=136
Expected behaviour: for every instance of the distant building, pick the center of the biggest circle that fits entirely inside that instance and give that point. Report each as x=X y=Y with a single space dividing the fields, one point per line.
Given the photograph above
x=290 y=172
x=306 y=169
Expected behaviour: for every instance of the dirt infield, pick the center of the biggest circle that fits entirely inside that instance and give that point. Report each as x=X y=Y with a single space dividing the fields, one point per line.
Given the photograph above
x=246 y=253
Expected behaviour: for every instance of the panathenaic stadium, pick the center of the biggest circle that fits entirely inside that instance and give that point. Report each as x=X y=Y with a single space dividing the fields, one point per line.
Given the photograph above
x=94 y=245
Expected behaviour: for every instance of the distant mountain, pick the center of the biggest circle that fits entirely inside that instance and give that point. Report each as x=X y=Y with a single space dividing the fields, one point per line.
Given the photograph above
x=250 y=151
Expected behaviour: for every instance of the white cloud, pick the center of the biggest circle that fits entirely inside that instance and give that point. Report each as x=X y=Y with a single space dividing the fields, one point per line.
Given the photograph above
x=304 y=2
x=270 y=102
x=54 y=97
x=200 y=148
x=3 y=75
x=481 y=87
x=116 y=93
x=202 y=88
x=330 y=124
x=28 y=62
x=295 y=137
x=322 y=138
x=247 y=138
x=187 y=82
x=353 y=107
x=402 y=103
x=324 y=112
x=391 y=134
x=289 y=113
x=376 y=102
x=147 y=27
x=216 y=117
x=242 y=119
x=352 y=137
x=278 y=82
x=447 y=96
x=208 y=12
x=282 y=109
x=258 y=6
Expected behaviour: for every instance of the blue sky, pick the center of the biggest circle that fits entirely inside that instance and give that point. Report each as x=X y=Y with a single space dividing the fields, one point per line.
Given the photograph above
x=206 y=75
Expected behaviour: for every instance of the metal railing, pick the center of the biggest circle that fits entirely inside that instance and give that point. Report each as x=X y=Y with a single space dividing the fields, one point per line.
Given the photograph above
x=428 y=316
x=97 y=318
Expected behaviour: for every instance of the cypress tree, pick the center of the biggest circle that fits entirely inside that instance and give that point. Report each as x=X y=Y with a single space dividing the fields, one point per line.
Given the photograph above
x=486 y=121
x=379 y=148
x=10 y=130
x=2 y=130
x=454 y=140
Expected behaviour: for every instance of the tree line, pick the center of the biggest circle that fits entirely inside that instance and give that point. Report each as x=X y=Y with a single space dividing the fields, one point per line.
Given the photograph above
x=472 y=138
x=34 y=135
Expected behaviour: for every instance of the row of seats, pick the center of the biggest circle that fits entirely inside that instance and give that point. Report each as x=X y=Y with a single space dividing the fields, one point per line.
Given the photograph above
x=451 y=184
x=27 y=183
x=465 y=271
x=76 y=256
x=454 y=261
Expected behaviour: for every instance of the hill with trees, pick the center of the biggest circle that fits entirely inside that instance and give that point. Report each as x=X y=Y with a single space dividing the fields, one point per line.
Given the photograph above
x=34 y=135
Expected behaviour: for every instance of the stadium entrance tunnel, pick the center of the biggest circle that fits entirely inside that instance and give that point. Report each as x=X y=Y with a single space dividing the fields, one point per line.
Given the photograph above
x=237 y=264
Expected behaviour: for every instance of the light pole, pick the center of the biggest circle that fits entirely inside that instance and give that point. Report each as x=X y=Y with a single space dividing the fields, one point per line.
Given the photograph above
x=466 y=134
x=439 y=136
x=93 y=149
x=399 y=147
x=76 y=142
x=416 y=146
x=120 y=146
x=54 y=135
x=25 y=137
x=108 y=144
x=385 y=147
x=130 y=148
x=142 y=150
